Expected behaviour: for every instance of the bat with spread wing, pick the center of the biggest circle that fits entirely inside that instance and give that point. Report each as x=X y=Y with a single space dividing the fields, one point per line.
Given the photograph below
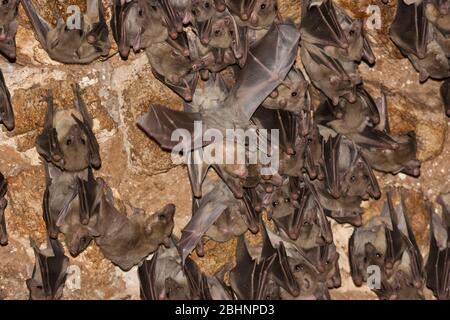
x=3 y=204
x=49 y=273
x=8 y=28
x=72 y=46
x=437 y=267
x=263 y=72
x=6 y=110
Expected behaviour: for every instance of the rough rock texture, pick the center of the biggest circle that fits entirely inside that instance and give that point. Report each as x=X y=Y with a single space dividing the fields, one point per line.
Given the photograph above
x=141 y=175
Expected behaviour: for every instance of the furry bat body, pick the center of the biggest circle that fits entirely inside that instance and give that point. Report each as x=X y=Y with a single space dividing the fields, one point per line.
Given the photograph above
x=164 y=277
x=388 y=242
x=49 y=273
x=6 y=110
x=437 y=267
x=72 y=46
x=3 y=204
x=8 y=28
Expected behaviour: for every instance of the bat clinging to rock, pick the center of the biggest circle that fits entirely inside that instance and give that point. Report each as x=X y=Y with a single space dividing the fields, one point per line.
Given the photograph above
x=6 y=110
x=72 y=46
x=3 y=204
x=8 y=28
x=49 y=273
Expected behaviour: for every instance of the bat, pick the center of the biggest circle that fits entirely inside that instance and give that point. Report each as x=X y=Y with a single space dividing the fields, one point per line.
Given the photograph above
x=250 y=278
x=437 y=12
x=164 y=278
x=445 y=94
x=72 y=46
x=256 y=14
x=326 y=259
x=3 y=204
x=127 y=241
x=49 y=272
x=244 y=98
x=292 y=95
x=176 y=15
x=389 y=243
x=219 y=215
x=412 y=33
x=8 y=28
x=6 y=110
x=403 y=158
x=437 y=268
x=67 y=140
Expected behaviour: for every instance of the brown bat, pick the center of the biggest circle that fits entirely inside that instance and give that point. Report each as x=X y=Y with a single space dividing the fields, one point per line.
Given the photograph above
x=412 y=32
x=49 y=273
x=164 y=277
x=8 y=28
x=256 y=14
x=72 y=46
x=3 y=204
x=388 y=242
x=67 y=140
x=437 y=267
x=6 y=110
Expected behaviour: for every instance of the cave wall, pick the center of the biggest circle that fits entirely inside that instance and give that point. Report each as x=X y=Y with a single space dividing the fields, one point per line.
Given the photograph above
x=142 y=175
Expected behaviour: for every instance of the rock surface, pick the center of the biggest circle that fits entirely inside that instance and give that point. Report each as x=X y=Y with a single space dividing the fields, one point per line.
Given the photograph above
x=141 y=175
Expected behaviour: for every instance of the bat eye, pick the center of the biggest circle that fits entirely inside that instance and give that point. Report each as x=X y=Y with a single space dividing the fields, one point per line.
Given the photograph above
x=217 y=32
x=83 y=141
x=378 y=255
x=194 y=13
x=275 y=203
x=287 y=200
x=294 y=94
x=263 y=6
x=206 y=5
x=140 y=12
x=309 y=140
x=154 y=8
x=327 y=262
x=305 y=223
x=353 y=178
x=68 y=142
x=351 y=33
x=162 y=217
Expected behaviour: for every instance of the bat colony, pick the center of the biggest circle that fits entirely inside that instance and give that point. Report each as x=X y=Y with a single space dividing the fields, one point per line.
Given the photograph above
x=328 y=154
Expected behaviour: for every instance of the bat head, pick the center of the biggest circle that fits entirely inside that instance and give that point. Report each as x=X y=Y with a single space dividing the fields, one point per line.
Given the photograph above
x=8 y=13
x=354 y=34
x=6 y=111
x=64 y=39
x=3 y=204
x=263 y=13
x=312 y=144
x=222 y=32
x=141 y=23
x=159 y=226
x=359 y=180
x=202 y=10
x=305 y=273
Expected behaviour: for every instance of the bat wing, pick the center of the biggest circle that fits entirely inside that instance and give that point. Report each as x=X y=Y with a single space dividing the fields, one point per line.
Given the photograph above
x=283 y=121
x=211 y=207
x=161 y=122
x=280 y=271
x=445 y=94
x=372 y=138
x=331 y=149
x=320 y=25
x=354 y=268
x=47 y=144
x=98 y=35
x=6 y=110
x=116 y=23
x=146 y=274
x=197 y=170
x=370 y=104
x=3 y=204
x=249 y=277
x=251 y=201
x=197 y=281
x=40 y=26
x=88 y=197
x=268 y=63
x=394 y=239
x=409 y=30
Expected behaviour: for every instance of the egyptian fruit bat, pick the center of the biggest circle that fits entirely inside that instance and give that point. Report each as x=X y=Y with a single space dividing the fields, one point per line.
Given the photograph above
x=3 y=204
x=256 y=14
x=8 y=28
x=437 y=267
x=389 y=243
x=49 y=273
x=72 y=46
x=6 y=110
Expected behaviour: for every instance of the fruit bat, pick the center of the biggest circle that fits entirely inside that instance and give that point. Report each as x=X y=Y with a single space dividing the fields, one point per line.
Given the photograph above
x=292 y=95
x=402 y=158
x=250 y=278
x=247 y=94
x=163 y=277
x=8 y=28
x=49 y=273
x=6 y=110
x=437 y=267
x=3 y=204
x=256 y=14
x=72 y=46
x=326 y=259
x=445 y=94
x=218 y=215
x=412 y=32
x=67 y=140
x=388 y=242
